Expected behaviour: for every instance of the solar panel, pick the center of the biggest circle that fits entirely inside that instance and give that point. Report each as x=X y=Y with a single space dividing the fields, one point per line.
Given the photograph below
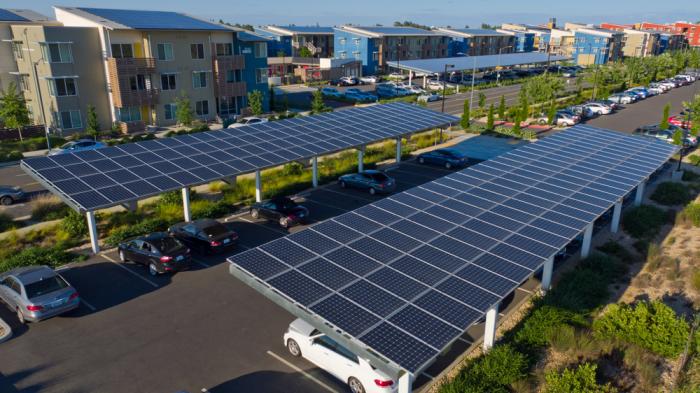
x=419 y=267
x=185 y=161
x=7 y=15
x=153 y=20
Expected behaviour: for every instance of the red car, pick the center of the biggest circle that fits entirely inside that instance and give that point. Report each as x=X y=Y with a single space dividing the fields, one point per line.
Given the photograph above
x=679 y=121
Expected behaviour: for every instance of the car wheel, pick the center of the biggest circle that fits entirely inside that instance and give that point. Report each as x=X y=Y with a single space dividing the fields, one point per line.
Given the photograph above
x=6 y=201
x=372 y=191
x=355 y=385
x=20 y=316
x=284 y=223
x=152 y=269
x=542 y=122
x=421 y=160
x=448 y=165
x=293 y=348
x=122 y=257
x=255 y=213
x=343 y=185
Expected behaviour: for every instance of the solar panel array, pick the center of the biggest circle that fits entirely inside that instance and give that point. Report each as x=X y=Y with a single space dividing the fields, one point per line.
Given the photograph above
x=478 y=62
x=407 y=275
x=7 y=15
x=154 y=20
x=96 y=179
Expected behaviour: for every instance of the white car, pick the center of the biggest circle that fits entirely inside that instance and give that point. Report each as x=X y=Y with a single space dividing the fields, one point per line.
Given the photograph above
x=303 y=340
x=396 y=75
x=621 y=99
x=435 y=84
x=369 y=79
x=246 y=121
x=598 y=108
x=428 y=97
x=414 y=89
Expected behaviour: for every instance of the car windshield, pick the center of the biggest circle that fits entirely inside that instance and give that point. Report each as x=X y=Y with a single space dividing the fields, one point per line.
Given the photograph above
x=44 y=286
x=67 y=145
x=380 y=177
x=166 y=244
x=215 y=230
x=286 y=204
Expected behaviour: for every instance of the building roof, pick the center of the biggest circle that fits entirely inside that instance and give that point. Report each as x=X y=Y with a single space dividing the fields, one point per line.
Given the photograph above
x=596 y=31
x=292 y=30
x=20 y=15
x=118 y=19
x=383 y=31
x=250 y=36
x=472 y=32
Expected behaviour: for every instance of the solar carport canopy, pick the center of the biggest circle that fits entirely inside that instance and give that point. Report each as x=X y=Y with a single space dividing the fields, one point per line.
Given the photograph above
x=97 y=179
x=404 y=277
x=434 y=66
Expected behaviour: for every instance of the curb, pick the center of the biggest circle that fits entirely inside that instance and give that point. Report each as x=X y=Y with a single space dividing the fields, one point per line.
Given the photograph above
x=7 y=329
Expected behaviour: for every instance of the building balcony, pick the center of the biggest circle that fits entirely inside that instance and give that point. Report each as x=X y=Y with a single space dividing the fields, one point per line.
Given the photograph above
x=223 y=63
x=128 y=97
x=131 y=127
x=143 y=65
x=230 y=89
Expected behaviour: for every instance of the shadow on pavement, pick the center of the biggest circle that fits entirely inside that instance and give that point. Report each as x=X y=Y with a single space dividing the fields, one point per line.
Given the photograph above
x=277 y=382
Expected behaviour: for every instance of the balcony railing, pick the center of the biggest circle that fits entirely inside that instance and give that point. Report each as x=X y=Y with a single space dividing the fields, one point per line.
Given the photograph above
x=138 y=97
x=141 y=65
x=131 y=126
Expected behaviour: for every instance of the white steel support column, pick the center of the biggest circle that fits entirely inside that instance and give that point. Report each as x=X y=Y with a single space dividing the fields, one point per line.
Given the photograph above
x=398 y=150
x=410 y=78
x=186 y=204
x=406 y=383
x=314 y=172
x=425 y=81
x=361 y=159
x=258 y=187
x=547 y=274
x=490 y=327
x=617 y=211
x=92 y=228
x=639 y=196
x=587 y=238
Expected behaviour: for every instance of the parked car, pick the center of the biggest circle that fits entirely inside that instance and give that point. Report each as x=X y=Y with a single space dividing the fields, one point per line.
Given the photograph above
x=428 y=97
x=76 y=146
x=356 y=94
x=303 y=340
x=435 y=84
x=666 y=84
x=331 y=92
x=397 y=76
x=640 y=94
x=655 y=90
x=10 y=195
x=283 y=210
x=206 y=236
x=371 y=180
x=598 y=108
x=246 y=121
x=159 y=252
x=635 y=96
x=449 y=158
x=582 y=111
x=369 y=79
x=680 y=121
x=641 y=90
x=561 y=119
x=348 y=81
x=682 y=81
x=621 y=99
x=613 y=105
x=666 y=135
x=415 y=89
x=664 y=87
x=36 y=293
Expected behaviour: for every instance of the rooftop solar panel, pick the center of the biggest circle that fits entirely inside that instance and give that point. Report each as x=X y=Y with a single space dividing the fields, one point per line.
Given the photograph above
x=153 y=20
x=421 y=277
x=185 y=161
x=479 y=62
x=9 y=16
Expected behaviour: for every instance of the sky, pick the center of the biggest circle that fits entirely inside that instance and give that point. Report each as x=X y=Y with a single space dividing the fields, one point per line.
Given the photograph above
x=455 y=13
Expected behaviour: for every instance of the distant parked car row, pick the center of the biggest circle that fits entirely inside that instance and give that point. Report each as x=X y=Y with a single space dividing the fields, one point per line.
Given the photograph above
x=352 y=93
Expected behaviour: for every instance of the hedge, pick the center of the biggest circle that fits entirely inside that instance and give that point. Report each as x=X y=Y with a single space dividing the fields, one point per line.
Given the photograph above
x=580 y=380
x=671 y=194
x=491 y=373
x=644 y=222
x=52 y=256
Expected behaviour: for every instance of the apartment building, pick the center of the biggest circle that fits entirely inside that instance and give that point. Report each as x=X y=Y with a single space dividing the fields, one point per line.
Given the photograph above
x=689 y=31
x=636 y=43
x=479 y=42
x=374 y=46
x=524 y=40
x=289 y=40
x=150 y=59
x=541 y=34
x=594 y=45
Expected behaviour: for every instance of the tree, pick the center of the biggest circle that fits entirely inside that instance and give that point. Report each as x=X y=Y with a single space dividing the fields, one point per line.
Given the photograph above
x=465 y=116
x=580 y=380
x=516 y=124
x=255 y=102
x=502 y=108
x=664 y=119
x=678 y=137
x=551 y=113
x=92 y=125
x=524 y=103
x=13 y=109
x=183 y=110
x=482 y=100
x=305 y=52
x=489 y=120
x=317 y=104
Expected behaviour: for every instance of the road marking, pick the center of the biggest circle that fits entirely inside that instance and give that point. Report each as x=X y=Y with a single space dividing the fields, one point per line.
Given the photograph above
x=352 y=196
x=464 y=340
x=32 y=183
x=264 y=226
x=431 y=167
x=22 y=218
x=525 y=290
x=325 y=204
x=200 y=263
x=21 y=174
x=90 y=306
x=304 y=373
x=428 y=375
x=154 y=285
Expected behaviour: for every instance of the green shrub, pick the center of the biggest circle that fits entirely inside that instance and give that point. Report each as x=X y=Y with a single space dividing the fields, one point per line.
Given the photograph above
x=119 y=235
x=171 y=198
x=6 y=222
x=580 y=380
x=616 y=250
x=292 y=169
x=671 y=194
x=580 y=290
x=74 y=224
x=52 y=256
x=651 y=325
x=208 y=209
x=690 y=175
x=644 y=222
x=609 y=267
x=49 y=207
x=691 y=214
x=543 y=322
x=491 y=373
x=694 y=159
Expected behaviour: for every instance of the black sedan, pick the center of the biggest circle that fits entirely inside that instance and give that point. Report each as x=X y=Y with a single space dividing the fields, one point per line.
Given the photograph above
x=283 y=210
x=206 y=236
x=372 y=180
x=449 y=158
x=158 y=251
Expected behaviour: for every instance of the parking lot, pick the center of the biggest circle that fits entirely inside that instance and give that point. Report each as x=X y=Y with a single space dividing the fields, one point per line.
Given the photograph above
x=202 y=328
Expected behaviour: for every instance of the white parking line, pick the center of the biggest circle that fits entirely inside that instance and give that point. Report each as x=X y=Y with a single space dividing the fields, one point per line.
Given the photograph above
x=90 y=306
x=304 y=373
x=428 y=375
x=264 y=226
x=525 y=290
x=325 y=204
x=345 y=194
x=200 y=263
x=154 y=285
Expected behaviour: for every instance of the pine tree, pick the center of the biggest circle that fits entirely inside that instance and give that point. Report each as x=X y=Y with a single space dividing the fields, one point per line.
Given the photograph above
x=664 y=121
x=255 y=99
x=489 y=120
x=465 y=116
x=482 y=100
x=552 y=113
x=183 y=111
x=516 y=124
x=317 y=104
x=92 y=125
x=502 y=108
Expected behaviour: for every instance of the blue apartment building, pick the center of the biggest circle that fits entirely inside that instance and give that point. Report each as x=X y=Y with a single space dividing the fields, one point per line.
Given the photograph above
x=376 y=45
x=524 y=41
x=597 y=46
x=289 y=40
x=255 y=72
x=478 y=42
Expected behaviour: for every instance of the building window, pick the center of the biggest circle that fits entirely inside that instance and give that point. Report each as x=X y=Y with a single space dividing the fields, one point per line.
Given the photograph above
x=61 y=87
x=57 y=52
x=170 y=110
x=129 y=114
x=197 y=51
x=342 y=41
x=122 y=51
x=225 y=49
x=233 y=76
x=24 y=82
x=137 y=82
x=69 y=120
x=261 y=75
x=167 y=81
x=202 y=108
x=165 y=52
x=260 y=50
x=17 y=49
x=356 y=41
x=375 y=56
x=343 y=55
x=227 y=106
x=199 y=79
x=356 y=55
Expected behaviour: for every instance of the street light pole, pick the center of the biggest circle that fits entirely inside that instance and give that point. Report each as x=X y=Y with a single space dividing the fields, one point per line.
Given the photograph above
x=398 y=63
x=38 y=91
x=498 y=65
x=444 y=91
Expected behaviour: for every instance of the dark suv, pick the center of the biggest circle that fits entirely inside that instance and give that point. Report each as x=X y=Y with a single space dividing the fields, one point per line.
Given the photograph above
x=283 y=210
x=158 y=251
x=206 y=236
